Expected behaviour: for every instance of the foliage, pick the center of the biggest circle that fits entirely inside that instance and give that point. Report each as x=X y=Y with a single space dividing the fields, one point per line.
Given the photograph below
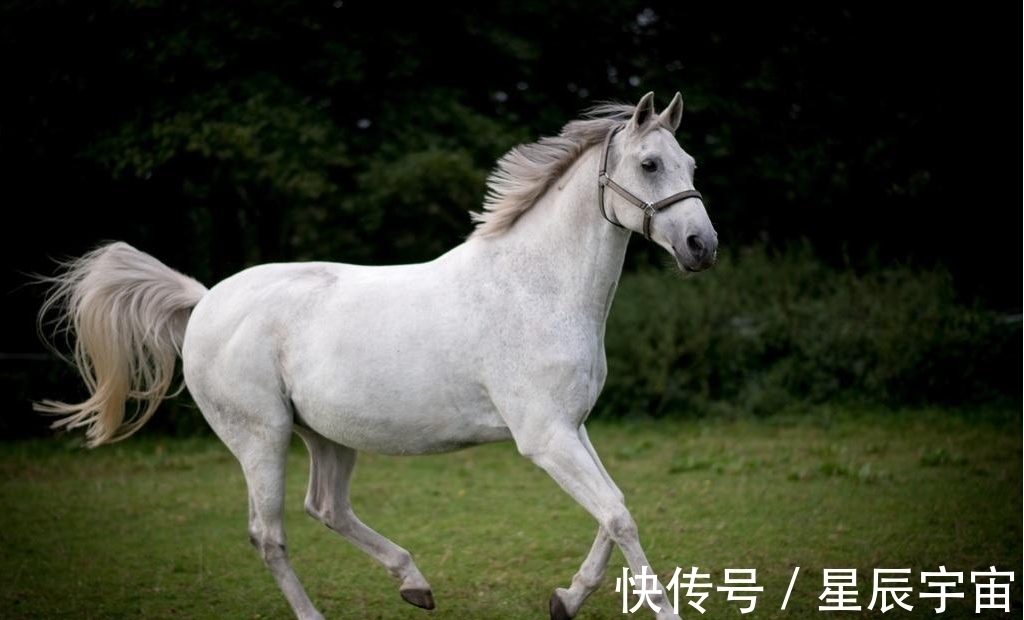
x=254 y=131
x=772 y=332
x=219 y=135
x=765 y=333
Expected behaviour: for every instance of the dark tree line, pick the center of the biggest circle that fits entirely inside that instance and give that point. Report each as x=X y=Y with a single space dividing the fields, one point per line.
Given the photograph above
x=218 y=135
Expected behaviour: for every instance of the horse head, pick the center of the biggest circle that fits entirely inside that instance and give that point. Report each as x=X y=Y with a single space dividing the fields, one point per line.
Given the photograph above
x=652 y=191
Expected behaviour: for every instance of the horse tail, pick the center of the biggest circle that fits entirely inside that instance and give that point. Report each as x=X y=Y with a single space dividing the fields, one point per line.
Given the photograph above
x=124 y=314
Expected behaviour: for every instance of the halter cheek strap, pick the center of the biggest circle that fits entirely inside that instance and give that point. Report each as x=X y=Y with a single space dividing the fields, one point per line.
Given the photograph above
x=649 y=208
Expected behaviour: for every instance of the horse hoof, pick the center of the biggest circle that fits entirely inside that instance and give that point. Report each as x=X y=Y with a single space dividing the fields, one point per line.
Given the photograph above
x=557 y=608
x=423 y=599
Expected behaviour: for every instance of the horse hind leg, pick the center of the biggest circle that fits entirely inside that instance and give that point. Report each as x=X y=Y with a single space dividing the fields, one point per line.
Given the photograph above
x=263 y=464
x=327 y=501
x=257 y=429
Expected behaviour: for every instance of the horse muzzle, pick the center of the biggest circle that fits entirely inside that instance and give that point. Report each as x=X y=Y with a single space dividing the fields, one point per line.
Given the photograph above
x=698 y=252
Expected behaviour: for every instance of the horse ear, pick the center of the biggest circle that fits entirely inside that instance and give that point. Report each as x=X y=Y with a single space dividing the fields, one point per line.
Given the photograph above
x=671 y=115
x=644 y=111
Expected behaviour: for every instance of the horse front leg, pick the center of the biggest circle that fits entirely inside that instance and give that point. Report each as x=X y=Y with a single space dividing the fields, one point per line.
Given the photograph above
x=567 y=456
x=565 y=603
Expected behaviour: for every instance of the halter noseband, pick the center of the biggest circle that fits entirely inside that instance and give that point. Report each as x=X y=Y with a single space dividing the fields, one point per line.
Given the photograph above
x=649 y=208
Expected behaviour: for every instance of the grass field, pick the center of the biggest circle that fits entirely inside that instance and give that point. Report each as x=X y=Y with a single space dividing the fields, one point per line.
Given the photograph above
x=153 y=528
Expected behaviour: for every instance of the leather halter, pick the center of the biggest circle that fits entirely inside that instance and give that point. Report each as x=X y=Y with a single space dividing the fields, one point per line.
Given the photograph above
x=649 y=208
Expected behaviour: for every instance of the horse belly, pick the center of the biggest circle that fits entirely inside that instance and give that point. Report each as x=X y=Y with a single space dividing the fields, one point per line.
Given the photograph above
x=412 y=412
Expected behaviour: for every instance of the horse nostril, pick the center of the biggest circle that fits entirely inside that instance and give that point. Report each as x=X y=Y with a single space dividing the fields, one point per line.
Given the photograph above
x=695 y=244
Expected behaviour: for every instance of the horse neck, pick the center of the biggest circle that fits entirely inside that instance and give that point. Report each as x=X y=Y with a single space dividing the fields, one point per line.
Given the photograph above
x=562 y=249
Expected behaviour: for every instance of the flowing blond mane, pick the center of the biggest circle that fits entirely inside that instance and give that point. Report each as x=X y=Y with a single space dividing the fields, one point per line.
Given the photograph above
x=523 y=174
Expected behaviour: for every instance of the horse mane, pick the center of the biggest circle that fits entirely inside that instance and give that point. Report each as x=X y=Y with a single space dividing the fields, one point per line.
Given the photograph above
x=526 y=171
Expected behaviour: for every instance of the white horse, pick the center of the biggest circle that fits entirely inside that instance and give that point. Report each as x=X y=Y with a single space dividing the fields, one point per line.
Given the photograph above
x=500 y=338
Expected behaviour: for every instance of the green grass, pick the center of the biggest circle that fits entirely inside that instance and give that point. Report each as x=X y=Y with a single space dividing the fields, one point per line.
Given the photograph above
x=154 y=528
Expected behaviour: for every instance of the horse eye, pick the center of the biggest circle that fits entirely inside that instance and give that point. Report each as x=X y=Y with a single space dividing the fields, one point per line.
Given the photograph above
x=649 y=165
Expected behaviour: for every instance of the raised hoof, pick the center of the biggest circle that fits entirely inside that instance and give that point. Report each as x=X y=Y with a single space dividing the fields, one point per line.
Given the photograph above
x=423 y=599
x=557 y=608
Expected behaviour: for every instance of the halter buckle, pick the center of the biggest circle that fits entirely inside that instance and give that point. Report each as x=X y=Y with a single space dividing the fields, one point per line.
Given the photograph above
x=649 y=209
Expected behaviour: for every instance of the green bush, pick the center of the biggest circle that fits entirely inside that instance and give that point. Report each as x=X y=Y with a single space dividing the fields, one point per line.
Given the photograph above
x=764 y=333
x=759 y=334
